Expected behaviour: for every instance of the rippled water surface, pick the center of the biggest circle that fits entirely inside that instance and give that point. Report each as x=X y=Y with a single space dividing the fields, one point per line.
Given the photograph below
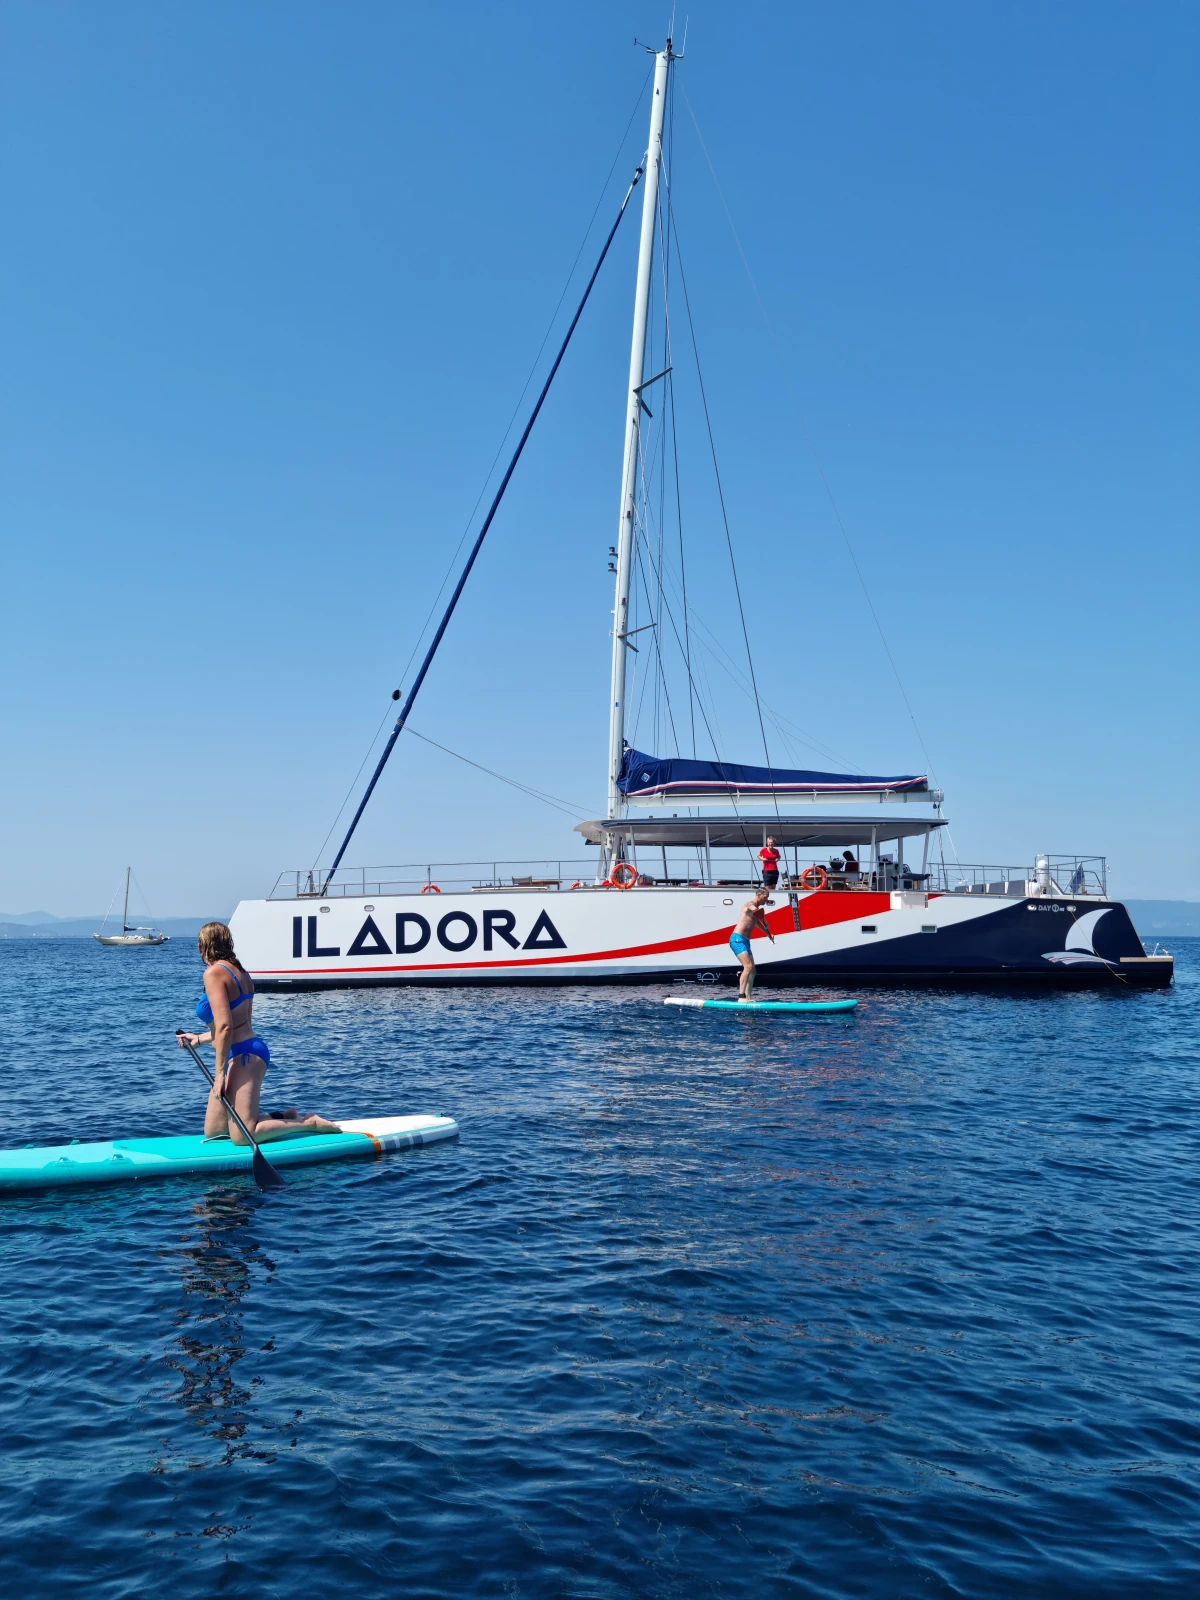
x=906 y=1303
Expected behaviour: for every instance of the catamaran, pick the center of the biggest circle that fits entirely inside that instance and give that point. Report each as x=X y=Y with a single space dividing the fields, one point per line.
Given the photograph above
x=655 y=897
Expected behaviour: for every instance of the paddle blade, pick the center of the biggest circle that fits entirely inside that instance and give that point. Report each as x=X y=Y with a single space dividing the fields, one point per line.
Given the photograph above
x=265 y=1175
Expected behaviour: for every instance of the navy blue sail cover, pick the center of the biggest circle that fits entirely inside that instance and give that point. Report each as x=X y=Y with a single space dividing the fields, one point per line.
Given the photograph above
x=643 y=775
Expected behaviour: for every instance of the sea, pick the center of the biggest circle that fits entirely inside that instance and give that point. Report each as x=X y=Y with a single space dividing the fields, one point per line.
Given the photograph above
x=904 y=1302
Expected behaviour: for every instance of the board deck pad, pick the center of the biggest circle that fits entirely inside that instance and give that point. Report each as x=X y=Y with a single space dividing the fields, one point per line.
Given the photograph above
x=125 y=1160
x=762 y=1005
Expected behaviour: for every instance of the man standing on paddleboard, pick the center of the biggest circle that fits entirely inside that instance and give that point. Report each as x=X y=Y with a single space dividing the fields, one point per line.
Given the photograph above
x=752 y=916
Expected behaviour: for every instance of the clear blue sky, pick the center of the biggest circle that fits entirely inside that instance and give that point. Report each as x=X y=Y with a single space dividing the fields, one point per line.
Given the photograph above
x=274 y=276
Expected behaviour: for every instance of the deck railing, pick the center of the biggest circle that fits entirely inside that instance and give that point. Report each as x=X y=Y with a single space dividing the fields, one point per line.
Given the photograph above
x=446 y=876
x=1064 y=875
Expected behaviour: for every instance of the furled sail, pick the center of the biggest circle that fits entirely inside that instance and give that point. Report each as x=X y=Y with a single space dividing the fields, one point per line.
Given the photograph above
x=643 y=775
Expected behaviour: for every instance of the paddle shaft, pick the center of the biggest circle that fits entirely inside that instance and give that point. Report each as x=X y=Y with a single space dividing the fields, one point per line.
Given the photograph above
x=268 y=1179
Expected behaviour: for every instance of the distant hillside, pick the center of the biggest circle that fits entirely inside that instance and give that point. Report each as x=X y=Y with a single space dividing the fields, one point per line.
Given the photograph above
x=1165 y=919
x=47 y=927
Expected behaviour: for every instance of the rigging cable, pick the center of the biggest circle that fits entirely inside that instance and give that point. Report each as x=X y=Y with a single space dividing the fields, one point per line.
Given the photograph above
x=141 y=892
x=559 y=804
x=720 y=492
x=661 y=681
x=525 y=387
x=812 y=445
x=478 y=545
x=687 y=638
x=712 y=644
x=488 y=477
x=669 y=400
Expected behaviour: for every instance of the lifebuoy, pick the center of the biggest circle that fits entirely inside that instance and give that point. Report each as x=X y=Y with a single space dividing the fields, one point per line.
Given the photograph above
x=623 y=883
x=808 y=875
x=431 y=888
x=577 y=884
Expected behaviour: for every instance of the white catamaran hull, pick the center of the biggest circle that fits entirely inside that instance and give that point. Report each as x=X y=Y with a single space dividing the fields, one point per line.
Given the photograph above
x=658 y=933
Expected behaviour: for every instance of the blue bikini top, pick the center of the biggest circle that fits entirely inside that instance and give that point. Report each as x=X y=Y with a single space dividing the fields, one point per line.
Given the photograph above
x=204 y=1005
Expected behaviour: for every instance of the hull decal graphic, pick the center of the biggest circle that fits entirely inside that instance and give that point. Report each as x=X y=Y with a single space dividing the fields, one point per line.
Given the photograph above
x=378 y=945
x=1080 y=951
x=816 y=910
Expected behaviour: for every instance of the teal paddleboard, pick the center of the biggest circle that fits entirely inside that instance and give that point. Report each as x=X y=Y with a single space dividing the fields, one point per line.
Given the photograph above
x=125 y=1160
x=763 y=1005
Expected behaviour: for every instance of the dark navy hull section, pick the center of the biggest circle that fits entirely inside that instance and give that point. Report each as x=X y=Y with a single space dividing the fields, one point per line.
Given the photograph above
x=1020 y=943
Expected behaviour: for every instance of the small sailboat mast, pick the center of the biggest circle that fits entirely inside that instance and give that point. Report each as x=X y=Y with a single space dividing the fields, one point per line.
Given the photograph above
x=125 y=913
x=637 y=359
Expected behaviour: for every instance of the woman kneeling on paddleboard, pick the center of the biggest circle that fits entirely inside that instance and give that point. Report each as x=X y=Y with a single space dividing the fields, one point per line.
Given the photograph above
x=242 y=1057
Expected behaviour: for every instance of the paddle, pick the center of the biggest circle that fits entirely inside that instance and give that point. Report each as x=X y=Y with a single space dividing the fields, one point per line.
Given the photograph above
x=265 y=1175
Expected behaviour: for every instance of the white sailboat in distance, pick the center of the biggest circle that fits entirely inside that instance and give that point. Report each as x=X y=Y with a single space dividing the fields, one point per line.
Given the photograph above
x=129 y=937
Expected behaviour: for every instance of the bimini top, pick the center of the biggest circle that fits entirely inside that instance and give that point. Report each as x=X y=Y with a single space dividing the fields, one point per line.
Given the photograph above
x=726 y=833
x=646 y=779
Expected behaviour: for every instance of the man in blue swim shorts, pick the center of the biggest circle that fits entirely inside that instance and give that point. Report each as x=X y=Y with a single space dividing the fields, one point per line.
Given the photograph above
x=751 y=918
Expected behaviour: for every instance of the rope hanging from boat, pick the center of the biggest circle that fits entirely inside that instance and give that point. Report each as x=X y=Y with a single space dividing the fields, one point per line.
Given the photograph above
x=478 y=545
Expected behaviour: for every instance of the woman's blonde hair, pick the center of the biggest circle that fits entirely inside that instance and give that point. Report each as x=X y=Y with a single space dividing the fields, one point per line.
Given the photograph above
x=216 y=944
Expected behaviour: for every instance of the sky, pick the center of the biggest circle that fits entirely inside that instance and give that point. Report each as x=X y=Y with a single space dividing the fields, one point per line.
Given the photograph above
x=276 y=276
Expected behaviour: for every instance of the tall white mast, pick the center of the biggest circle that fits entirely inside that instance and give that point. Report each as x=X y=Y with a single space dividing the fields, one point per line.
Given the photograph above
x=637 y=357
x=125 y=913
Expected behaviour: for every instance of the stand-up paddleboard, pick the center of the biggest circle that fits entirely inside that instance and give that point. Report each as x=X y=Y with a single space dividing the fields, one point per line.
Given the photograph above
x=762 y=1005
x=125 y=1160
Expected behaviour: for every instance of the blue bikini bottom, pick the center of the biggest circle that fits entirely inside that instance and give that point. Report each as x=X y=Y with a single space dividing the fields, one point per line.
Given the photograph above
x=251 y=1047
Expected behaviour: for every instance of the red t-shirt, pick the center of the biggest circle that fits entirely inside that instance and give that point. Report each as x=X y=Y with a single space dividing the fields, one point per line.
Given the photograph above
x=769 y=858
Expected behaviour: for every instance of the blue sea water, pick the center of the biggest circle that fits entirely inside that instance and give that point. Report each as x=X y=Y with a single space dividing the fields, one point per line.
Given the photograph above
x=901 y=1303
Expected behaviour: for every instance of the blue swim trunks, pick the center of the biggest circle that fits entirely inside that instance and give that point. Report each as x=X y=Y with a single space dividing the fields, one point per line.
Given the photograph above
x=739 y=944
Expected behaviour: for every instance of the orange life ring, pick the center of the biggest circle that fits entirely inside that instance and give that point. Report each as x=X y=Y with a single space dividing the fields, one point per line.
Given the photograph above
x=431 y=888
x=822 y=877
x=577 y=884
x=623 y=883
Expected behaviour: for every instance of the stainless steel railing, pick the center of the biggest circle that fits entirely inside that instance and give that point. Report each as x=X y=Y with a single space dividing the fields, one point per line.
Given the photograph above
x=1058 y=874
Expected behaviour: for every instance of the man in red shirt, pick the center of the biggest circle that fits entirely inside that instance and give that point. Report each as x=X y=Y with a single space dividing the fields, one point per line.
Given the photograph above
x=769 y=857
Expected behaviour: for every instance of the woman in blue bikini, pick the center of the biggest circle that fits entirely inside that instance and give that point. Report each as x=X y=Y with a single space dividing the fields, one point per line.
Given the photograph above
x=242 y=1057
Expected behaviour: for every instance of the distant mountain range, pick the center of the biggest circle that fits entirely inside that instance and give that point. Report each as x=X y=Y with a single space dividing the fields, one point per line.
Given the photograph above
x=1153 y=919
x=1165 y=919
x=41 y=925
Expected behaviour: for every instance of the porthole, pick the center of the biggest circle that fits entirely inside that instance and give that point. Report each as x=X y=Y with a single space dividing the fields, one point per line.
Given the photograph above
x=324 y=908
x=368 y=908
x=868 y=927
x=726 y=902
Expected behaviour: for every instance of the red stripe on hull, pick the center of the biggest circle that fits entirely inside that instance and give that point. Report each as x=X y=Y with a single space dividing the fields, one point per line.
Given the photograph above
x=695 y=941
x=819 y=909
x=824 y=907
